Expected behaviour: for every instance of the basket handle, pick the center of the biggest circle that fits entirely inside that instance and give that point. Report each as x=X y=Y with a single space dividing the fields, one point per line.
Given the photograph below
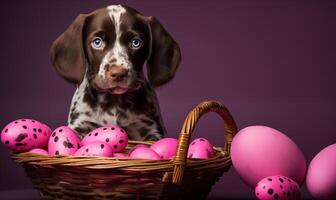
x=188 y=127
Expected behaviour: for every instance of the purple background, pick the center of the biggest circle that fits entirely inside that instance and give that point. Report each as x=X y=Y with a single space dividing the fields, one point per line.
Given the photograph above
x=269 y=62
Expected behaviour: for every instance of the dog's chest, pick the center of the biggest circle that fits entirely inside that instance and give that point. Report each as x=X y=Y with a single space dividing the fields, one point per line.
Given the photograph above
x=138 y=118
x=102 y=114
x=106 y=117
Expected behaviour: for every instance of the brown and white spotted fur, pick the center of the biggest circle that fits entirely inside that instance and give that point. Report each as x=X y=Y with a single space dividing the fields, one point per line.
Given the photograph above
x=103 y=53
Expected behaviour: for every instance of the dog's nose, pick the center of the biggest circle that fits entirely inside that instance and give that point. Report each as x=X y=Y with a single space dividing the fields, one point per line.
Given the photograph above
x=117 y=73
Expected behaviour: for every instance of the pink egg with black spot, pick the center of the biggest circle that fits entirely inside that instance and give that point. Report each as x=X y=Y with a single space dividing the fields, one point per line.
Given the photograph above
x=25 y=134
x=120 y=155
x=277 y=187
x=39 y=151
x=95 y=149
x=63 y=141
x=200 y=148
x=144 y=153
x=45 y=132
x=165 y=147
x=114 y=136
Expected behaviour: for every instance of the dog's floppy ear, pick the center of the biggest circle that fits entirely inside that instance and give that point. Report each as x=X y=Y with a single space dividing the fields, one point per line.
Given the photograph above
x=67 y=54
x=165 y=55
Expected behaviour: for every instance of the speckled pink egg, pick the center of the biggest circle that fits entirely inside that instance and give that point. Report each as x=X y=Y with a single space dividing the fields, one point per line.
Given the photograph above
x=200 y=148
x=114 y=136
x=63 y=141
x=25 y=134
x=144 y=153
x=166 y=147
x=120 y=155
x=95 y=149
x=39 y=151
x=277 y=187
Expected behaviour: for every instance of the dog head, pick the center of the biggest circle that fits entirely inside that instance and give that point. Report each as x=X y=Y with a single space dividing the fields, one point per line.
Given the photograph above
x=110 y=46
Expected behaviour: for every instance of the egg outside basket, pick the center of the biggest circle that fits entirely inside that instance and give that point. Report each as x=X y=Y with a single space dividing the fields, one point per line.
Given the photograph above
x=76 y=177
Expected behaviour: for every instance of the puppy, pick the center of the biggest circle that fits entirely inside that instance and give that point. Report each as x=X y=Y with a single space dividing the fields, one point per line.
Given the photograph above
x=103 y=53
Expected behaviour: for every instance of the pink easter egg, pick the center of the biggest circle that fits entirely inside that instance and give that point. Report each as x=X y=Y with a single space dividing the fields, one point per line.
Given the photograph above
x=200 y=148
x=277 y=187
x=260 y=151
x=39 y=151
x=137 y=146
x=321 y=174
x=166 y=147
x=63 y=141
x=95 y=149
x=25 y=134
x=114 y=136
x=144 y=153
x=120 y=155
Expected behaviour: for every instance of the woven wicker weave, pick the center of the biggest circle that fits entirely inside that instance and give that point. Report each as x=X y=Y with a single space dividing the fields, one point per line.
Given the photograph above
x=78 y=177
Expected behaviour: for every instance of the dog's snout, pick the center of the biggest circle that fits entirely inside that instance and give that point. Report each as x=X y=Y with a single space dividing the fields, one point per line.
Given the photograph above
x=117 y=73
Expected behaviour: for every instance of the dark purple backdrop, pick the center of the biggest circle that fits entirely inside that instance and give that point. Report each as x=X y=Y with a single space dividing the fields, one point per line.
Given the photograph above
x=269 y=62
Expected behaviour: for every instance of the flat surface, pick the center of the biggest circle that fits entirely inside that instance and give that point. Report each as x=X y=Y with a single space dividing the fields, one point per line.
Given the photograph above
x=30 y=194
x=25 y=194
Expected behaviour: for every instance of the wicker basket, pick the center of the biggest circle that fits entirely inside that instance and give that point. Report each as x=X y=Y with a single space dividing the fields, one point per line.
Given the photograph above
x=74 y=177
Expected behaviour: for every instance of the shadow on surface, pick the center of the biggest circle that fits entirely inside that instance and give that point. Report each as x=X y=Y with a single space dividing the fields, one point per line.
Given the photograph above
x=235 y=198
x=226 y=198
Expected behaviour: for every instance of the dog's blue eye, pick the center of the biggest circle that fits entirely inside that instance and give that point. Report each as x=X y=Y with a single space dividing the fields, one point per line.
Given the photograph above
x=136 y=43
x=97 y=43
